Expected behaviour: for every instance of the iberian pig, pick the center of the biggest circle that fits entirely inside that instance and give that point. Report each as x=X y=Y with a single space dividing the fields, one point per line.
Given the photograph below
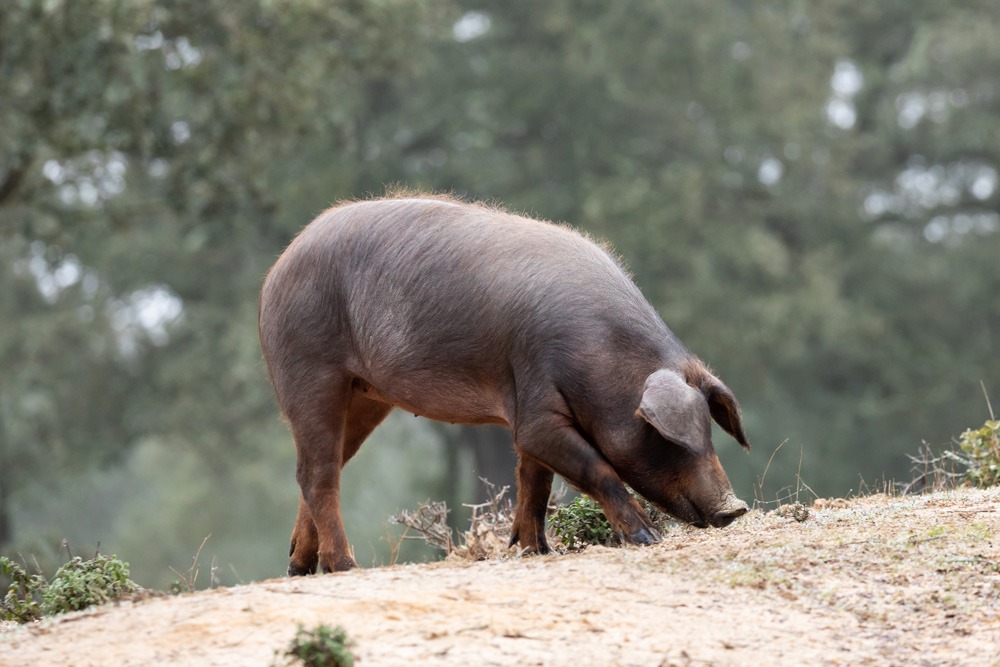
x=465 y=313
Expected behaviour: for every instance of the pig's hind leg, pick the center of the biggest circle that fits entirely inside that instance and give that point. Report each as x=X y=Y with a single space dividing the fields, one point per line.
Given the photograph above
x=363 y=415
x=329 y=427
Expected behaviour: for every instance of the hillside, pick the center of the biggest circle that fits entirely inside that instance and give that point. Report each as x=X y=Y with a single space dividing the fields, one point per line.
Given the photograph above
x=874 y=581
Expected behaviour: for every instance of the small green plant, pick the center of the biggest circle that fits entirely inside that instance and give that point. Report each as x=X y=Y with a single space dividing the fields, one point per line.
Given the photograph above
x=322 y=646
x=22 y=603
x=581 y=522
x=982 y=447
x=76 y=585
x=83 y=583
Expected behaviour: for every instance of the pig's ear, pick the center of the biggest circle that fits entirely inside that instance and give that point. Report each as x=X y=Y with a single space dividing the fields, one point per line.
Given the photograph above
x=721 y=402
x=675 y=409
x=725 y=410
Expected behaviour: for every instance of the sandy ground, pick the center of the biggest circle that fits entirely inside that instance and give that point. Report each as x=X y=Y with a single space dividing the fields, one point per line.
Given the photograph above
x=873 y=581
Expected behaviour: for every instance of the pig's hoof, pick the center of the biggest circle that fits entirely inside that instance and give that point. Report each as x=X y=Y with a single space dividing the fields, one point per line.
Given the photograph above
x=341 y=564
x=541 y=548
x=644 y=537
x=540 y=545
x=300 y=570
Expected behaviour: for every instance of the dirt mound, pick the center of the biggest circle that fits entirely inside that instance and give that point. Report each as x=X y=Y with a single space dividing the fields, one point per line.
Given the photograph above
x=875 y=580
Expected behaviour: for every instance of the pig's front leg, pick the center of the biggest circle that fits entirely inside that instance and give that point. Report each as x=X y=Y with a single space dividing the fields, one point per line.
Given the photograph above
x=553 y=441
x=534 y=484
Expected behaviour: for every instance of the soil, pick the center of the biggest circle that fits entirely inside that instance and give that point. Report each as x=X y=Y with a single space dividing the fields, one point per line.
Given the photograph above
x=876 y=580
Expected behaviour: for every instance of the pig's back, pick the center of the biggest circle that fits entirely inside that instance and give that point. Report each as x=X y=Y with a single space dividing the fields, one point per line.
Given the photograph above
x=415 y=293
x=425 y=262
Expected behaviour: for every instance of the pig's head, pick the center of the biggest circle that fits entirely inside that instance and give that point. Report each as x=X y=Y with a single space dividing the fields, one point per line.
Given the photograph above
x=680 y=471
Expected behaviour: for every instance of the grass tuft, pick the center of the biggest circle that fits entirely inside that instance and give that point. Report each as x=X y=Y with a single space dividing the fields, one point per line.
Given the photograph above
x=321 y=646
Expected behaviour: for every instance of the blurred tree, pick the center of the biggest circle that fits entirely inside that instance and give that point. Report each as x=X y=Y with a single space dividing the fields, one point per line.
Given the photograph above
x=734 y=154
x=807 y=192
x=144 y=184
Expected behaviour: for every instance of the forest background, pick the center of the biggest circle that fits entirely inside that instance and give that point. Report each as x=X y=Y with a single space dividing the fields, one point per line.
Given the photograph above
x=807 y=192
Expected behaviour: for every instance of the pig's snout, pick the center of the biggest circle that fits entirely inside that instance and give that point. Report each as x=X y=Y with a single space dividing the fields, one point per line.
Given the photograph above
x=733 y=509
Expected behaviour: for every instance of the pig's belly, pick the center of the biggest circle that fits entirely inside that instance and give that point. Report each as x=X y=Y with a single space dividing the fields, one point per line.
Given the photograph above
x=440 y=397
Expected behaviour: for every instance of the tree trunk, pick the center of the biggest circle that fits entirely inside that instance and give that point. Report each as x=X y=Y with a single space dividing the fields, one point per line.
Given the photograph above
x=493 y=458
x=452 y=452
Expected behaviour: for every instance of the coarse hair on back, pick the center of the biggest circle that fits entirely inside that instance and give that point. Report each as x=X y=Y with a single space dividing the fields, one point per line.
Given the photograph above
x=401 y=191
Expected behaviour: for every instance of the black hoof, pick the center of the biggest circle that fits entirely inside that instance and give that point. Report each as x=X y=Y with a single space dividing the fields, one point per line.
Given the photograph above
x=514 y=539
x=540 y=550
x=644 y=537
x=340 y=565
x=299 y=571
x=542 y=547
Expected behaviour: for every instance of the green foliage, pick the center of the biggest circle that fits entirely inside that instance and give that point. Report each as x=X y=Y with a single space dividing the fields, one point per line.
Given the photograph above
x=22 y=600
x=581 y=522
x=83 y=583
x=76 y=585
x=322 y=646
x=982 y=446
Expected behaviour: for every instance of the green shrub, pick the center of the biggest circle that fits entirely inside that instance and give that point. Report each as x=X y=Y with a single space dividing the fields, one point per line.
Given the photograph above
x=76 y=585
x=322 y=646
x=83 y=583
x=580 y=523
x=982 y=446
x=22 y=603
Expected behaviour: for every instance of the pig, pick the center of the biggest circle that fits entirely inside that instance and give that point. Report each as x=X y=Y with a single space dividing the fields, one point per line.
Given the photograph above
x=468 y=314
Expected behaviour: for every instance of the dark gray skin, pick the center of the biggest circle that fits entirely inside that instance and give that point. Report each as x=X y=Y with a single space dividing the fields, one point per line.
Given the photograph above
x=467 y=314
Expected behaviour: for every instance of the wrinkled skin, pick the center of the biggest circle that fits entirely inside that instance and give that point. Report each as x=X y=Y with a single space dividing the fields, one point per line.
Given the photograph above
x=468 y=314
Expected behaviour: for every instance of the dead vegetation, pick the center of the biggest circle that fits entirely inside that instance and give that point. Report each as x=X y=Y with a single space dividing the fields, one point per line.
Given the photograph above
x=488 y=535
x=973 y=459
